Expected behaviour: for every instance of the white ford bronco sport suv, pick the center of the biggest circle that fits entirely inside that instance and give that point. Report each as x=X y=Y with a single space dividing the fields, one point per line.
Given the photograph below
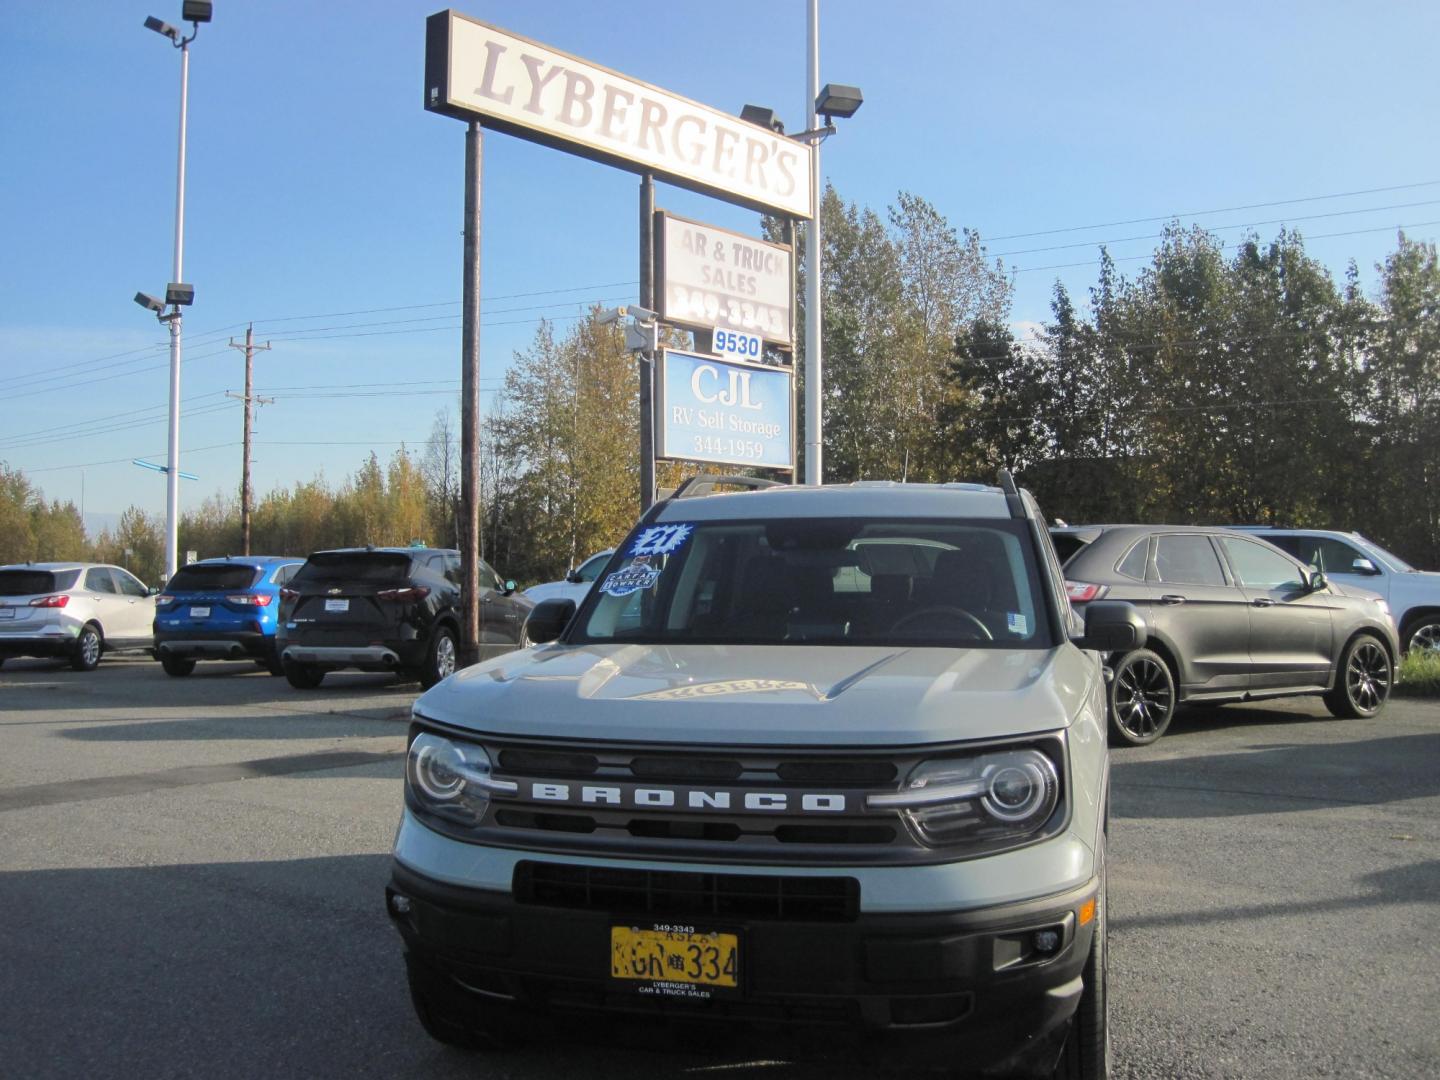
x=803 y=756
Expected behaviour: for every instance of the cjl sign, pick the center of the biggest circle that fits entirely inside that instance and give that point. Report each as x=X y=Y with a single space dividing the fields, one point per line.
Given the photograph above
x=724 y=412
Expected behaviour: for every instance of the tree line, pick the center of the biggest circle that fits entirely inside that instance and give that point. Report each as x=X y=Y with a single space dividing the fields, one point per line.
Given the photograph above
x=1219 y=384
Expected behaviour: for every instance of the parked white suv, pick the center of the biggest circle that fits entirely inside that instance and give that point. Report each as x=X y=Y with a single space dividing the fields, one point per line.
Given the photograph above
x=576 y=584
x=802 y=756
x=74 y=610
x=1351 y=559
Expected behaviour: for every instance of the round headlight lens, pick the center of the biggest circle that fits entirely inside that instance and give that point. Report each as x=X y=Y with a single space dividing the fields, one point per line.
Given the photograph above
x=1015 y=791
x=437 y=768
x=441 y=774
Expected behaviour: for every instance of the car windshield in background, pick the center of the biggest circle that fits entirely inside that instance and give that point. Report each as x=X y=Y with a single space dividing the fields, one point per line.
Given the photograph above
x=823 y=580
x=202 y=577
x=1394 y=560
x=358 y=567
x=34 y=582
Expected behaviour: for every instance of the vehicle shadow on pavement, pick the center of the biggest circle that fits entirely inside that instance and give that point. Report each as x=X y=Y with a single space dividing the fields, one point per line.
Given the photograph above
x=1417 y=883
x=1278 y=778
x=282 y=968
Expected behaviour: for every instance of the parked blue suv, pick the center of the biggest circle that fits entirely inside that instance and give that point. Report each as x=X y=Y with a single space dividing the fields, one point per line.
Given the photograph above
x=222 y=609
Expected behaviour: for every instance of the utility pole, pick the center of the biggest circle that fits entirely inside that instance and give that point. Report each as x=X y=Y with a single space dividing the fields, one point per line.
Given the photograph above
x=249 y=399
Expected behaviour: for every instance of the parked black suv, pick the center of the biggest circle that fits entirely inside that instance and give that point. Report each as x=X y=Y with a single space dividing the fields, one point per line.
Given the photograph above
x=388 y=609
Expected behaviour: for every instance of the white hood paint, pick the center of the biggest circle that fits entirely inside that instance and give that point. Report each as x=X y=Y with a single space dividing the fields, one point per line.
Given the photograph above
x=766 y=695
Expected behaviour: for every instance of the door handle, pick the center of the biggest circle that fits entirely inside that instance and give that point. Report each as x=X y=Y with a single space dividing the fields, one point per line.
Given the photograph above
x=1172 y=598
x=1263 y=601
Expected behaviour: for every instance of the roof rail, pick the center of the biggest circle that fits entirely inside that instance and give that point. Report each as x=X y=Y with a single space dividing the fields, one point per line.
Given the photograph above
x=705 y=483
x=1012 y=494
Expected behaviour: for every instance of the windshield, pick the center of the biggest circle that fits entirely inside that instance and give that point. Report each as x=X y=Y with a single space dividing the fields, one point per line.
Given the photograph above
x=1394 y=560
x=822 y=581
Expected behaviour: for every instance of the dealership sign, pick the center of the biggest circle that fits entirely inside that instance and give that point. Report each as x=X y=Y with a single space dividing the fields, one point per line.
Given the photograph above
x=724 y=412
x=475 y=71
x=711 y=277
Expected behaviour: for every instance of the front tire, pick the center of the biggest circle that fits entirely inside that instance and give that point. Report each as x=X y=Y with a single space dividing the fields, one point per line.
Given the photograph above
x=1362 y=685
x=1142 y=698
x=449 y=1014
x=1086 y=1055
x=303 y=676
x=177 y=665
x=89 y=646
x=439 y=659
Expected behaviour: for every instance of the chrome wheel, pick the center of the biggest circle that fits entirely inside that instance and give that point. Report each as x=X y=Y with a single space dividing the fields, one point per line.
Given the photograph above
x=1367 y=677
x=444 y=656
x=1142 y=699
x=1426 y=637
x=88 y=647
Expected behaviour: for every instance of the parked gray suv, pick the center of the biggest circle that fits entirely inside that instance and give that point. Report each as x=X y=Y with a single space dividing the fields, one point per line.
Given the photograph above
x=803 y=756
x=1230 y=619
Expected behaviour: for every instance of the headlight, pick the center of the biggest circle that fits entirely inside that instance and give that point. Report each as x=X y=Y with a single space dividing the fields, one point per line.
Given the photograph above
x=450 y=779
x=993 y=798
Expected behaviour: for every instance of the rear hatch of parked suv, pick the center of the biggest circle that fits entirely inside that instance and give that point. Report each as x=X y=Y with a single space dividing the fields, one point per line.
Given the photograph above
x=213 y=597
x=351 y=597
x=30 y=598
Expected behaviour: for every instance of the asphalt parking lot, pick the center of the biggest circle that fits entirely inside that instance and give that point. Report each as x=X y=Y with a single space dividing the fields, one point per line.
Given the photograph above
x=191 y=876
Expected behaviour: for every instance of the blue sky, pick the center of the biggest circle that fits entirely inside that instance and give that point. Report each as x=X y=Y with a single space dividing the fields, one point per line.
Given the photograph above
x=319 y=187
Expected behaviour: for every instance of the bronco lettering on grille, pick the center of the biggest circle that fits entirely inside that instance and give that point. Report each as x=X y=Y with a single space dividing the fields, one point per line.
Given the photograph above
x=688 y=798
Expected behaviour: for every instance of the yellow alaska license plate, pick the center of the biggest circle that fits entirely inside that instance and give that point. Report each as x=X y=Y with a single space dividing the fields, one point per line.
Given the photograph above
x=674 y=954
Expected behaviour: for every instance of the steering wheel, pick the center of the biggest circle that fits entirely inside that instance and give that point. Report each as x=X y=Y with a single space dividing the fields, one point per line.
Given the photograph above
x=969 y=621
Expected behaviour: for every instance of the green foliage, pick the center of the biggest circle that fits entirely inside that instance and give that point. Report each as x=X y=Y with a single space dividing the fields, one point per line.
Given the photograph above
x=1419 y=674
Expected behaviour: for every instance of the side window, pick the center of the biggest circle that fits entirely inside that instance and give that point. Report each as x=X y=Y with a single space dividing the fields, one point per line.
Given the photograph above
x=591 y=568
x=97 y=579
x=489 y=581
x=1302 y=547
x=1258 y=567
x=1133 y=565
x=1337 y=557
x=283 y=575
x=452 y=570
x=129 y=584
x=1187 y=559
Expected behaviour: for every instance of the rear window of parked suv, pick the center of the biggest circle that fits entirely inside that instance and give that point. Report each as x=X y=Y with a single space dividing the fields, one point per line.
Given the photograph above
x=356 y=566
x=34 y=582
x=199 y=577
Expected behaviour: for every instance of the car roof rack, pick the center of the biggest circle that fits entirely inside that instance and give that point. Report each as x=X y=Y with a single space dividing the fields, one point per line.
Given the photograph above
x=1012 y=494
x=706 y=483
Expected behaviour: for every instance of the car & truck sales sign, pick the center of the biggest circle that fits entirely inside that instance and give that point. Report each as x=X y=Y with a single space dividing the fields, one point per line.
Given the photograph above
x=712 y=277
x=475 y=71
x=724 y=412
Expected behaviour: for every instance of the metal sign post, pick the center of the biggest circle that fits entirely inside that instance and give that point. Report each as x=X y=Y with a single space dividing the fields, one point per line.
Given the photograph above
x=470 y=404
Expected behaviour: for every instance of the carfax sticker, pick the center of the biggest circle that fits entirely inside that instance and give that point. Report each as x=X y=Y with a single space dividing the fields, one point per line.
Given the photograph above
x=638 y=575
x=662 y=539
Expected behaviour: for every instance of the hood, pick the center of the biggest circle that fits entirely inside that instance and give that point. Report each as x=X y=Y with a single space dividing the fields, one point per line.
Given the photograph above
x=766 y=695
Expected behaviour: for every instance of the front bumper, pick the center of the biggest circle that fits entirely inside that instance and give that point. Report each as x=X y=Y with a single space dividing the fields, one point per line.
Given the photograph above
x=972 y=985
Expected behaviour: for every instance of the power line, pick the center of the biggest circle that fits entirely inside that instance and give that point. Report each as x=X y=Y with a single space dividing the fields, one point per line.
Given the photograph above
x=1219 y=210
x=127 y=458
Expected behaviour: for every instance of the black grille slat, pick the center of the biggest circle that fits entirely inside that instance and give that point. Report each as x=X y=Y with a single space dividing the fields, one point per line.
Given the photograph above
x=836 y=772
x=548 y=763
x=683 y=893
x=679 y=770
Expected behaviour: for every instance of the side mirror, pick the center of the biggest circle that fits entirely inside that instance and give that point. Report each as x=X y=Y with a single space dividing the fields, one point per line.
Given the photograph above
x=1365 y=566
x=1112 y=626
x=574 y=577
x=548 y=620
x=510 y=587
x=1316 y=581
x=153 y=590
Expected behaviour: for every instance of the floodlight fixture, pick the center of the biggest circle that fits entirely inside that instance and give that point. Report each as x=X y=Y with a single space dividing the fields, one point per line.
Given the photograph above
x=839 y=100
x=764 y=117
x=633 y=311
x=179 y=294
x=152 y=23
x=196 y=11
x=149 y=302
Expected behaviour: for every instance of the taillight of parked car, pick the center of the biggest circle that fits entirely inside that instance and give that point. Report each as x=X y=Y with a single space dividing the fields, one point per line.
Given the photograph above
x=404 y=596
x=1082 y=592
x=163 y=599
x=50 y=601
x=250 y=599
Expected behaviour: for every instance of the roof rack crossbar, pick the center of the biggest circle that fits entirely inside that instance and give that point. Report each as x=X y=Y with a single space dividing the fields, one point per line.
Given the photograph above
x=705 y=483
x=1012 y=494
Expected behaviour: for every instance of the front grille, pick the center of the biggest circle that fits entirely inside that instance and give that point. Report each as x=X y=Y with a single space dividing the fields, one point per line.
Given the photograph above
x=680 y=893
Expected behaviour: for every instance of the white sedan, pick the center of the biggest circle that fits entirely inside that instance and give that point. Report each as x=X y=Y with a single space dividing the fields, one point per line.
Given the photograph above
x=576 y=584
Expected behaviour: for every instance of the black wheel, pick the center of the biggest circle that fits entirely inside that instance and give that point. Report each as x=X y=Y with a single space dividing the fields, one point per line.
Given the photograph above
x=1142 y=698
x=89 y=646
x=440 y=659
x=449 y=1014
x=177 y=665
x=303 y=676
x=1424 y=634
x=1086 y=1055
x=1362 y=684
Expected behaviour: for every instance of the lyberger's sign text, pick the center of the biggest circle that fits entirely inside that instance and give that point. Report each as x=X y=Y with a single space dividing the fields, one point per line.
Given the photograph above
x=477 y=71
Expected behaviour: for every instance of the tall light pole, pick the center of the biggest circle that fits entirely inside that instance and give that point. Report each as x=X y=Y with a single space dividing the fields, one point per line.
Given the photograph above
x=177 y=293
x=814 y=375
